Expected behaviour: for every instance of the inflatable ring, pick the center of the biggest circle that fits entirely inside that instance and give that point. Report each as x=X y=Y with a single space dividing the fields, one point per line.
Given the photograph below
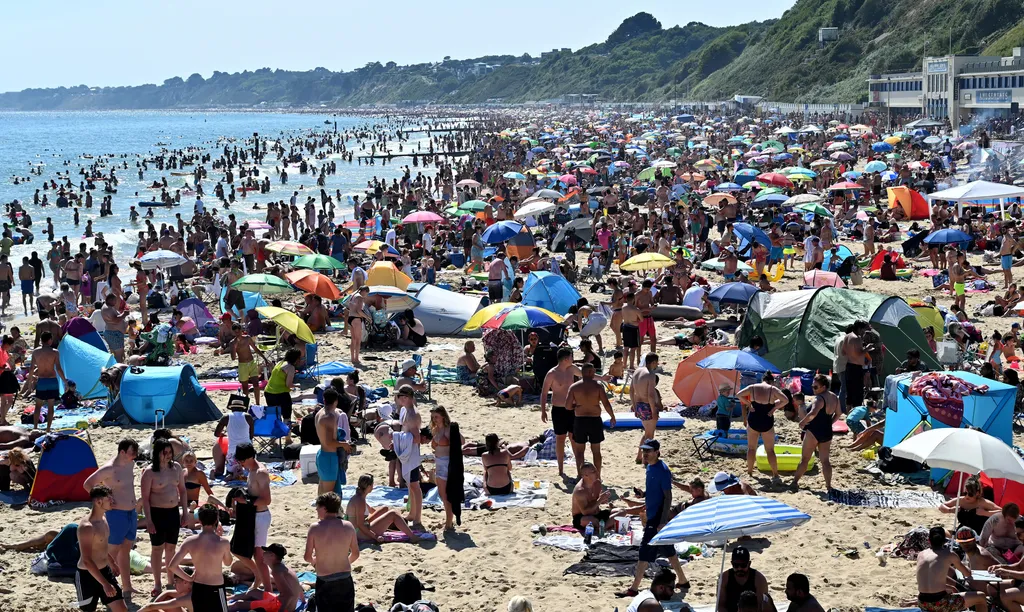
x=900 y=273
x=780 y=271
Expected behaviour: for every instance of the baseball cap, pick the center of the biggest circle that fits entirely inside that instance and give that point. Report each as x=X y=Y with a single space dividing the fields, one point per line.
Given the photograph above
x=406 y=366
x=741 y=554
x=406 y=390
x=966 y=534
x=1015 y=326
x=226 y=316
x=653 y=445
x=278 y=550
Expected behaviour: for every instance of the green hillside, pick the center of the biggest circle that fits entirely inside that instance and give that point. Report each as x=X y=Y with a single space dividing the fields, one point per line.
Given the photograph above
x=640 y=61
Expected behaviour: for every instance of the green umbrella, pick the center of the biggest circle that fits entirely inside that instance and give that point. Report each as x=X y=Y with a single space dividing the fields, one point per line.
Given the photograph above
x=771 y=190
x=473 y=205
x=674 y=151
x=262 y=283
x=649 y=174
x=318 y=262
x=774 y=144
x=893 y=156
x=811 y=207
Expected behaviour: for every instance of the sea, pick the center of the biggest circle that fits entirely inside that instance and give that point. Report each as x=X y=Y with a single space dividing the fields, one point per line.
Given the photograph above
x=53 y=139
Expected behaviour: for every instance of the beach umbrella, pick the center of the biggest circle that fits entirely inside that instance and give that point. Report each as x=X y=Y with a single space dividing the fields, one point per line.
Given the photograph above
x=386 y=273
x=876 y=166
x=728 y=187
x=947 y=236
x=515 y=176
x=881 y=147
x=769 y=199
x=820 y=278
x=813 y=208
x=257 y=226
x=537 y=207
x=852 y=175
x=715 y=199
x=473 y=205
x=317 y=261
x=502 y=310
x=774 y=178
x=370 y=247
x=567 y=179
x=820 y=163
x=313 y=282
x=738 y=360
x=803 y=198
x=845 y=186
x=840 y=156
x=733 y=293
x=395 y=299
x=501 y=231
x=548 y=194
x=288 y=321
x=467 y=183
x=750 y=233
x=288 y=248
x=889 y=176
x=621 y=164
x=266 y=284
x=646 y=261
x=161 y=258
x=726 y=517
x=422 y=216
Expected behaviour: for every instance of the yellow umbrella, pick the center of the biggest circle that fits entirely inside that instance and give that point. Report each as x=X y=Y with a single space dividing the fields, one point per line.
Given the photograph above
x=797 y=176
x=486 y=313
x=893 y=140
x=385 y=273
x=289 y=321
x=646 y=261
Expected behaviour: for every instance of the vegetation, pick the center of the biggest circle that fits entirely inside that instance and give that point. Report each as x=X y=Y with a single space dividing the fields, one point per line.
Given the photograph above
x=640 y=61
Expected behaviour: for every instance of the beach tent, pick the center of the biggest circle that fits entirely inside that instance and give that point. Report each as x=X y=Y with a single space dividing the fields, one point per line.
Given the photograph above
x=443 y=312
x=172 y=394
x=699 y=386
x=799 y=328
x=906 y=415
x=196 y=310
x=83 y=363
x=66 y=461
x=842 y=252
x=1004 y=490
x=521 y=245
x=913 y=203
x=876 y=262
x=385 y=273
x=83 y=329
x=978 y=191
x=929 y=316
x=253 y=300
x=550 y=292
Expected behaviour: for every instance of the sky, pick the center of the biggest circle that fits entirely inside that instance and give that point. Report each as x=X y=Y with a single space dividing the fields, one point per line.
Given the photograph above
x=130 y=42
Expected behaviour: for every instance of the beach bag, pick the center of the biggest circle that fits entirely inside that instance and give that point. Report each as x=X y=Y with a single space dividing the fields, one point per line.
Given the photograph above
x=891 y=464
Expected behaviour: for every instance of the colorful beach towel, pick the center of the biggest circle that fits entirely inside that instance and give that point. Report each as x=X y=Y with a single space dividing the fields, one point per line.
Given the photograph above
x=886 y=499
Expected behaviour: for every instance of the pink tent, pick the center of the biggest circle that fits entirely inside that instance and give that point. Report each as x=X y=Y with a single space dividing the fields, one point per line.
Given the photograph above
x=820 y=278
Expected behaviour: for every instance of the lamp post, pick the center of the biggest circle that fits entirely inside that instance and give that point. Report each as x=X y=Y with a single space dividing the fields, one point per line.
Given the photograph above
x=888 y=103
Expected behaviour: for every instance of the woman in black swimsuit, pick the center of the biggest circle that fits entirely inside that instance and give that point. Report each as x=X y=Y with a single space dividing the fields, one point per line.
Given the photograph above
x=497 y=482
x=760 y=401
x=817 y=426
x=974 y=509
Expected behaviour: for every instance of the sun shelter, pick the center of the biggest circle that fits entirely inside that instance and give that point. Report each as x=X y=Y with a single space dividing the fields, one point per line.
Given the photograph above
x=521 y=245
x=83 y=329
x=842 y=252
x=66 y=461
x=172 y=395
x=912 y=409
x=550 y=292
x=252 y=299
x=196 y=310
x=443 y=312
x=894 y=257
x=83 y=363
x=978 y=191
x=799 y=328
x=914 y=206
x=385 y=273
x=929 y=316
x=696 y=386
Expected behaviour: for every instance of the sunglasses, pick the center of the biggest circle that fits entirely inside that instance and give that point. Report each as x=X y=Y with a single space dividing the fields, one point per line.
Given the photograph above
x=740 y=565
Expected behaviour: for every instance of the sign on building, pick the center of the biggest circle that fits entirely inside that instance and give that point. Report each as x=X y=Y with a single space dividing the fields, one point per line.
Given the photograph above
x=999 y=96
x=939 y=67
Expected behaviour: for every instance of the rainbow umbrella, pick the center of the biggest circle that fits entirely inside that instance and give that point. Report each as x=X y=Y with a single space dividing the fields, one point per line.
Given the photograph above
x=521 y=316
x=370 y=247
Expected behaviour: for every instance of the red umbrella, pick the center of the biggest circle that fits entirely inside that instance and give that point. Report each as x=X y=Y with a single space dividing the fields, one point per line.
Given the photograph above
x=587 y=170
x=776 y=179
x=845 y=185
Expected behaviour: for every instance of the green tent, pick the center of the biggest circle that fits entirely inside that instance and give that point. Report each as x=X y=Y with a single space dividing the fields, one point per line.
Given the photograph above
x=800 y=328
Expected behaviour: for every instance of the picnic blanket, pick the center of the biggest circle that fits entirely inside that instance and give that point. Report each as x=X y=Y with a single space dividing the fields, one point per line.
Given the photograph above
x=605 y=560
x=13 y=498
x=282 y=474
x=393 y=497
x=886 y=499
x=442 y=374
x=69 y=419
x=575 y=543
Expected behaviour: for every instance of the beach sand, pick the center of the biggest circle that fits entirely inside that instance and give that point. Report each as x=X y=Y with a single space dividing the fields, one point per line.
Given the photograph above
x=491 y=558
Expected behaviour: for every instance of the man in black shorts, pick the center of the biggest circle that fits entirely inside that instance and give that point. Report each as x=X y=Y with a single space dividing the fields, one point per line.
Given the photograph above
x=94 y=580
x=557 y=381
x=586 y=397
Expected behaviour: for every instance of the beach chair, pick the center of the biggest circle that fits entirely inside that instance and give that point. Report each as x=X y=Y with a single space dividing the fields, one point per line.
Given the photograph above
x=268 y=430
x=312 y=363
x=702 y=444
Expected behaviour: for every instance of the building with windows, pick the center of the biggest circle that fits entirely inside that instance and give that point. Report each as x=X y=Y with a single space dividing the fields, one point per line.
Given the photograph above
x=953 y=87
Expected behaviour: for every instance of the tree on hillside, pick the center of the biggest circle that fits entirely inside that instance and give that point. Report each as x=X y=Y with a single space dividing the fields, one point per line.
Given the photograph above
x=633 y=27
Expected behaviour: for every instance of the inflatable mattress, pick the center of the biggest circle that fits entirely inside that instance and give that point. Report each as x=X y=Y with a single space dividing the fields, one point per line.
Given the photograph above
x=664 y=312
x=627 y=420
x=787 y=457
x=734 y=444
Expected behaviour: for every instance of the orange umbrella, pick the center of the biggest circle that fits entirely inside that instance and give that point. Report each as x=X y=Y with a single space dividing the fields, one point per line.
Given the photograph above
x=698 y=386
x=313 y=282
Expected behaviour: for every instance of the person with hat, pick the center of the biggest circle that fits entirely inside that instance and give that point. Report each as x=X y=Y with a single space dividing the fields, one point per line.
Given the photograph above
x=727 y=484
x=289 y=590
x=725 y=405
x=236 y=427
x=739 y=579
x=407 y=376
x=657 y=505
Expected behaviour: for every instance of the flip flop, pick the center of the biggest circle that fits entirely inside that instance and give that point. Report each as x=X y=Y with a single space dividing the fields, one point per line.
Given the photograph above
x=627 y=593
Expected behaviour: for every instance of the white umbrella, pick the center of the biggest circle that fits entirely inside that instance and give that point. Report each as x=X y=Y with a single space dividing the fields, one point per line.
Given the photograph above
x=537 y=207
x=803 y=198
x=467 y=183
x=161 y=259
x=963 y=450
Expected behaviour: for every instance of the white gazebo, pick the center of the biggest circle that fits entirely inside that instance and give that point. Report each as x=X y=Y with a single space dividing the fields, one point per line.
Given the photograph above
x=977 y=191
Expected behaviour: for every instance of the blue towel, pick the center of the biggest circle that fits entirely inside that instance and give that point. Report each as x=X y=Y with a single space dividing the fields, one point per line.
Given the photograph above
x=280 y=476
x=331 y=368
x=13 y=498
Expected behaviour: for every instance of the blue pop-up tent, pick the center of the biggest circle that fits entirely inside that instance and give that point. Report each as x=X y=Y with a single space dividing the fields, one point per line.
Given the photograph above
x=906 y=414
x=172 y=394
x=550 y=291
x=83 y=363
x=253 y=300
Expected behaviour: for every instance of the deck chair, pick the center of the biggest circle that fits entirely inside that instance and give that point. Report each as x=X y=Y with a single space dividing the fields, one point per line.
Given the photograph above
x=702 y=444
x=269 y=430
x=312 y=369
x=271 y=345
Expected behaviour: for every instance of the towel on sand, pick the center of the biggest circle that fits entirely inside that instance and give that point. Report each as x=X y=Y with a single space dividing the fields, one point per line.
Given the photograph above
x=441 y=374
x=886 y=499
x=13 y=498
x=526 y=497
x=603 y=559
x=281 y=475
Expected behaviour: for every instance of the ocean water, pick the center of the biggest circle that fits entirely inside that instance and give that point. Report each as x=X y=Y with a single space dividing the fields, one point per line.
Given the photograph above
x=53 y=138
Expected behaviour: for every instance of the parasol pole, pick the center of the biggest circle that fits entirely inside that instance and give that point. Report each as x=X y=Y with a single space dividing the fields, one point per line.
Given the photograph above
x=718 y=583
x=959 y=492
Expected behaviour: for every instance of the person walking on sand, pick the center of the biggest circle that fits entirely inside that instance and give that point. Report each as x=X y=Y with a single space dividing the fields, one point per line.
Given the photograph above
x=643 y=394
x=94 y=580
x=557 y=381
x=331 y=548
x=585 y=398
x=46 y=367
x=760 y=401
x=817 y=427
x=209 y=552
x=121 y=518
x=27 y=278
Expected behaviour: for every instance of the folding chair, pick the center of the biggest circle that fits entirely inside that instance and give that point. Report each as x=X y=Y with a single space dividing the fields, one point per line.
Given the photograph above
x=702 y=444
x=269 y=430
x=312 y=369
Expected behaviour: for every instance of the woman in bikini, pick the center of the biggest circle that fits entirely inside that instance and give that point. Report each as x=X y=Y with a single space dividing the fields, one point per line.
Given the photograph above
x=616 y=304
x=355 y=318
x=760 y=401
x=440 y=430
x=497 y=467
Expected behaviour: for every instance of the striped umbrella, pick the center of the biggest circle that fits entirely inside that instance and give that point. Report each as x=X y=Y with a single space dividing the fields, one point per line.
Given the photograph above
x=727 y=517
x=510 y=315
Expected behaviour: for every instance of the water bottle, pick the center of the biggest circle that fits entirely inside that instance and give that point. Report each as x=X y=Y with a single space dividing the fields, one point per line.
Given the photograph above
x=588 y=534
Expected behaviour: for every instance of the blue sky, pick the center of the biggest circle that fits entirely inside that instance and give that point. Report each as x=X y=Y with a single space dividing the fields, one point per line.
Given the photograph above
x=130 y=42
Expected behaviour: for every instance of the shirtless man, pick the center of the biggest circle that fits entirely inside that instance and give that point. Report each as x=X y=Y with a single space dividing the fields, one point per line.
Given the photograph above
x=587 y=499
x=242 y=348
x=616 y=304
x=289 y=590
x=330 y=464
x=94 y=580
x=166 y=505
x=730 y=264
x=27 y=280
x=6 y=281
x=631 y=318
x=855 y=351
x=331 y=548
x=209 y=552
x=645 y=302
x=248 y=246
x=586 y=397
x=47 y=325
x=73 y=274
x=557 y=381
x=370 y=523
x=933 y=568
x=643 y=394
x=259 y=492
x=119 y=475
x=46 y=367
x=12 y=436
x=1007 y=246
x=116 y=326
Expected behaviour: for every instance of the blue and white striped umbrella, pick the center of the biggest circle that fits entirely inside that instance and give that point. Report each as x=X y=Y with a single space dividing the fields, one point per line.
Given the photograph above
x=727 y=517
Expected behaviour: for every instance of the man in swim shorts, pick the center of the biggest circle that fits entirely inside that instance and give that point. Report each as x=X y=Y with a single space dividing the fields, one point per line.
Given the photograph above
x=645 y=302
x=116 y=326
x=332 y=430
x=557 y=381
x=933 y=565
x=332 y=546
x=630 y=328
x=27 y=276
x=46 y=366
x=586 y=397
x=119 y=475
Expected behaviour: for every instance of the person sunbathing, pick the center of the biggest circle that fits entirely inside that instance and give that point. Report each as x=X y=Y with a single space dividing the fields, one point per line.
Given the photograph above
x=372 y=523
x=517 y=450
x=18 y=437
x=869 y=437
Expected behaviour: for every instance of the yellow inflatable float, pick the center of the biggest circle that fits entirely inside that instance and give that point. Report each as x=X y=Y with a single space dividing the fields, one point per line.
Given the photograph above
x=787 y=456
